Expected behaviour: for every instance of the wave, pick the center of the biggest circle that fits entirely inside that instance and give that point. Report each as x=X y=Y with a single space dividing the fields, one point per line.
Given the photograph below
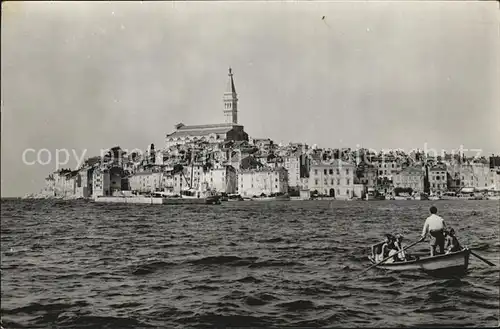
x=259 y=299
x=249 y=279
x=274 y=263
x=297 y=305
x=210 y=320
x=224 y=260
x=149 y=268
x=433 y=309
x=272 y=240
x=482 y=304
x=480 y=247
x=450 y=283
x=382 y=279
x=6 y=323
x=34 y=308
x=70 y=321
x=251 y=262
x=204 y=288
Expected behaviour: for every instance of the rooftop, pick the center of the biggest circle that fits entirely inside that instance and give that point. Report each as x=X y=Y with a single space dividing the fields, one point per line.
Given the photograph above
x=200 y=131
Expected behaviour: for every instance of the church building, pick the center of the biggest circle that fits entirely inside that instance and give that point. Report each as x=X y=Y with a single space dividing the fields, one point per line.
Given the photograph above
x=230 y=130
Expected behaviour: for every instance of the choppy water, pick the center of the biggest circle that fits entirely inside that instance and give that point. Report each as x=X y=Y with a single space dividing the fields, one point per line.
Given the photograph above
x=85 y=265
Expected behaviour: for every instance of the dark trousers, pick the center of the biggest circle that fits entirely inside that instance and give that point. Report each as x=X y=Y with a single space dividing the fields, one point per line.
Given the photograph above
x=437 y=240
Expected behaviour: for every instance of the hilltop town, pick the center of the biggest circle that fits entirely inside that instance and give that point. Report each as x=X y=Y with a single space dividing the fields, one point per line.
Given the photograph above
x=223 y=158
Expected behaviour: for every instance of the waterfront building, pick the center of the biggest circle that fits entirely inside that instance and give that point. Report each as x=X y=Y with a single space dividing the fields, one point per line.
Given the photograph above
x=410 y=177
x=476 y=175
x=334 y=179
x=292 y=163
x=494 y=178
x=101 y=182
x=438 y=178
x=222 y=179
x=255 y=182
x=230 y=130
x=61 y=183
x=146 y=182
x=83 y=188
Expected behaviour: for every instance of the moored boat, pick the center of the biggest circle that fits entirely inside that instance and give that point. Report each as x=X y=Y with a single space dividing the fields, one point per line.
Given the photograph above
x=372 y=194
x=234 y=197
x=444 y=264
x=421 y=196
x=284 y=197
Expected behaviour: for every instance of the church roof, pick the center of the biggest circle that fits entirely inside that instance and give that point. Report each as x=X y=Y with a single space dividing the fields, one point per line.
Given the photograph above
x=203 y=130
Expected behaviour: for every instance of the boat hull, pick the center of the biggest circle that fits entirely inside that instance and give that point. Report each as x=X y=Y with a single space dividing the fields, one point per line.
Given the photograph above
x=452 y=263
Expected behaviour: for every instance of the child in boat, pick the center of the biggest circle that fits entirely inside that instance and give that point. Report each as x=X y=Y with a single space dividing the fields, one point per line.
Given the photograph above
x=451 y=240
x=398 y=243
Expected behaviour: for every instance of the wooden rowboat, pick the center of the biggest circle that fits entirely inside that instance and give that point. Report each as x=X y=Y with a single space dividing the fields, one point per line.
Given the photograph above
x=452 y=263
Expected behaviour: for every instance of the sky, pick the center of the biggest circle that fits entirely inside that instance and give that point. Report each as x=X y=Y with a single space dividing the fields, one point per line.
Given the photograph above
x=84 y=76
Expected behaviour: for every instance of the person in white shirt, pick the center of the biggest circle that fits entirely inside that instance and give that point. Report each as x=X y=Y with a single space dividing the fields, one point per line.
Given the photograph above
x=435 y=226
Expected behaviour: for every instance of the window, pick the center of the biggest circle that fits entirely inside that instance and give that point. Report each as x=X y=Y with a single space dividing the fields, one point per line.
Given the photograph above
x=331 y=181
x=381 y=172
x=338 y=171
x=315 y=171
x=347 y=181
x=347 y=171
x=338 y=181
x=433 y=184
x=316 y=181
x=437 y=177
x=331 y=172
x=325 y=172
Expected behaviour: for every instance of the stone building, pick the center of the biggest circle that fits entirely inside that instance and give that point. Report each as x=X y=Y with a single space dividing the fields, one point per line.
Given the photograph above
x=334 y=179
x=255 y=182
x=410 y=177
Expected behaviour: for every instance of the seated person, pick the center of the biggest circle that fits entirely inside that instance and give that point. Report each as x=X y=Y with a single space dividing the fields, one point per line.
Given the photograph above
x=451 y=242
x=376 y=251
x=398 y=243
x=382 y=250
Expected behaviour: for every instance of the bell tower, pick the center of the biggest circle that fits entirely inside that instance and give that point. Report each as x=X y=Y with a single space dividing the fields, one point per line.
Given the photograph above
x=230 y=101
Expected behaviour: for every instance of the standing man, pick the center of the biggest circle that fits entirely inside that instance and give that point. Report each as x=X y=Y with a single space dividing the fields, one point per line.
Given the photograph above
x=434 y=225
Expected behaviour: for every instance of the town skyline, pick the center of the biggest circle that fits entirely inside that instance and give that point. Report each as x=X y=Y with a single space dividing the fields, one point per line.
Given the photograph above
x=292 y=100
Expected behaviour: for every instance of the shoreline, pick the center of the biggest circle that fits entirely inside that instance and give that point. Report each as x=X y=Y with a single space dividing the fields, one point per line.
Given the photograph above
x=144 y=200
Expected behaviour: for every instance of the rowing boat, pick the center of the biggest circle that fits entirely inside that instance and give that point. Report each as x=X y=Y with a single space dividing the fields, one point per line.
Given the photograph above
x=452 y=263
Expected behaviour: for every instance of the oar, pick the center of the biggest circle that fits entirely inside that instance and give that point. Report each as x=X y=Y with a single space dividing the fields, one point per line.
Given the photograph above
x=383 y=260
x=481 y=258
